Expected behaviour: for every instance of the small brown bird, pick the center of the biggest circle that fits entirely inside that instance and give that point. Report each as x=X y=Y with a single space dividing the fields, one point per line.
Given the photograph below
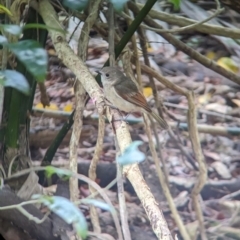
x=124 y=94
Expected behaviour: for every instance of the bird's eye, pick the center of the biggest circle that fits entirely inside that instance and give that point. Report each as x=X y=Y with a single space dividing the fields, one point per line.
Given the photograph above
x=107 y=75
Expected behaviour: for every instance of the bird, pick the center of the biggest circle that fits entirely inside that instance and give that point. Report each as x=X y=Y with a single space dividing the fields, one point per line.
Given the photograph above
x=124 y=94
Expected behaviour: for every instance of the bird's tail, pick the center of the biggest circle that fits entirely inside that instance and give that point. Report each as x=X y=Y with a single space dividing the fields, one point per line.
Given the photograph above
x=161 y=121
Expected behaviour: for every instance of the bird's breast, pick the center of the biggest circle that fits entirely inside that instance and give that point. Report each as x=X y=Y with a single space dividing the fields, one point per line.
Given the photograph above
x=118 y=101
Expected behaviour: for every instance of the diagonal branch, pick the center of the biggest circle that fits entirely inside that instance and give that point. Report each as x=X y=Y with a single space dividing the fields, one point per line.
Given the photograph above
x=75 y=64
x=188 y=50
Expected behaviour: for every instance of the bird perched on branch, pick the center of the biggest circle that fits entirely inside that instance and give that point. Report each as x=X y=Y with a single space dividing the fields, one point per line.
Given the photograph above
x=124 y=94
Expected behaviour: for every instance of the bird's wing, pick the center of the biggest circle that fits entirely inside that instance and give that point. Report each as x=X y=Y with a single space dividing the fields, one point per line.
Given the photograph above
x=130 y=93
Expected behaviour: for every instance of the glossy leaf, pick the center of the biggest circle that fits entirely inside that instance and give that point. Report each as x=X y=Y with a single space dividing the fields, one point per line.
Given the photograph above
x=176 y=4
x=3 y=40
x=78 y=5
x=52 y=106
x=33 y=56
x=5 y=10
x=118 y=5
x=14 y=79
x=229 y=64
x=67 y=211
x=68 y=108
x=50 y=170
x=42 y=26
x=147 y=92
x=98 y=204
x=131 y=154
x=12 y=29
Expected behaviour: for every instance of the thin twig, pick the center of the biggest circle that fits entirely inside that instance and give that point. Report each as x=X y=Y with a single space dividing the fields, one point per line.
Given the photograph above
x=92 y=171
x=82 y=73
x=203 y=128
x=111 y=35
x=182 y=149
x=188 y=50
x=197 y=150
x=182 y=22
x=74 y=141
x=175 y=20
x=164 y=80
x=128 y=70
x=143 y=44
x=186 y=28
x=165 y=186
x=122 y=203
x=121 y=196
x=202 y=177
x=79 y=177
x=93 y=8
x=211 y=113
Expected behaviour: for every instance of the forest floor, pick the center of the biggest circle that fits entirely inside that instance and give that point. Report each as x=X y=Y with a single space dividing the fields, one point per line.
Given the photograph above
x=218 y=101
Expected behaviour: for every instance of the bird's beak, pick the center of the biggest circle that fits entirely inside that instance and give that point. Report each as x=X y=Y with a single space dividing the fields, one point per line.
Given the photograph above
x=99 y=72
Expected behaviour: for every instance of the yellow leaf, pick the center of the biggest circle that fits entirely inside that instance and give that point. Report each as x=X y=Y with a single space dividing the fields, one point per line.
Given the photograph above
x=205 y=98
x=68 y=108
x=51 y=107
x=228 y=64
x=150 y=50
x=5 y=10
x=52 y=52
x=147 y=92
x=236 y=101
x=211 y=55
x=39 y=105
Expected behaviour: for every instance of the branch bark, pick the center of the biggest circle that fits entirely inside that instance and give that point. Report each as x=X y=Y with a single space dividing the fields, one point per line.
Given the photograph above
x=75 y=64
x=233 y=4
x=188 y=50
x=183 y=22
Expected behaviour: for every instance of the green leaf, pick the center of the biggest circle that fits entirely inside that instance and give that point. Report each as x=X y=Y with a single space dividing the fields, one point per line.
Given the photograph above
x=3 y=40
x=67 y=211
x=176 y=4
x=50 y=170
x=42 y=26
x=5 y=10
x=33 y=56
x=118 y=5
x=14 y=79
x=131 y=154
x=12 y=29
x=78 y=5
x=98 y=204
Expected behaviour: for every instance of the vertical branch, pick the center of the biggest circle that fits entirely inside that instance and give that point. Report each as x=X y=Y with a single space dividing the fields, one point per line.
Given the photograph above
x=74 y=63
x=74 y=141
x=92 y=171
x=121 y=197
x=163 y=180
x=135 y=56
x=122 y=201
x=195 y=143
x=82 y=52
x=79 y=98
x=188 y=50
x=202 y=177
x=164 y=227
x=143 y=43
x=111 y=34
